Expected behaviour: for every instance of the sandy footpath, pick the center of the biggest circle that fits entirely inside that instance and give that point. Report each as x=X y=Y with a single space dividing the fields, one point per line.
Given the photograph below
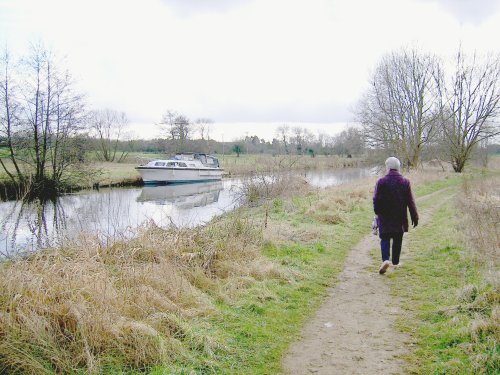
x=353 y=331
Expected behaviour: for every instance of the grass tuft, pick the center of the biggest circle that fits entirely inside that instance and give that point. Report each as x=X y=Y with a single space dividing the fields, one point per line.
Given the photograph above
x=452 y=299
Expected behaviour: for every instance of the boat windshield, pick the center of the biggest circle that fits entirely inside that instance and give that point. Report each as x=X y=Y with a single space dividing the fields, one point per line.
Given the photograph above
x=176 y=164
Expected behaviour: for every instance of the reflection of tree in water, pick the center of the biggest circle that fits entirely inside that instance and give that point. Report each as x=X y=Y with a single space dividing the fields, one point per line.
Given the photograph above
x=31 y=217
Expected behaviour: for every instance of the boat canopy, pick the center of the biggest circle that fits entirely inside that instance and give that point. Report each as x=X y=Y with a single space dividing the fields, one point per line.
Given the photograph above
x=208 y=160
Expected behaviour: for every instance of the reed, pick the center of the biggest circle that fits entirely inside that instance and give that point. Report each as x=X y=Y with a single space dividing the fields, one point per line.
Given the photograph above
x=479 y=205
x=256 y=164
x=130 y=305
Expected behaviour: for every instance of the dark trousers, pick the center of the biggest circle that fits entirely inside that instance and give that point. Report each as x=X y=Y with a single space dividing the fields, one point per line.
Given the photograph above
x=385 y=246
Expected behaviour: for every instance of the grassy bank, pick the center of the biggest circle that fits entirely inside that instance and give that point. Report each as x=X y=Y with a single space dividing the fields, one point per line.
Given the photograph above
x=95 y=173
x=225 y=298
x=450 y=283
x=114 y=173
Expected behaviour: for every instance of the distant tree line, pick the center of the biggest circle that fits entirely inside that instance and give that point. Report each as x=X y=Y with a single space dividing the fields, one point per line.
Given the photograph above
x=348 y=143
x=414 y=109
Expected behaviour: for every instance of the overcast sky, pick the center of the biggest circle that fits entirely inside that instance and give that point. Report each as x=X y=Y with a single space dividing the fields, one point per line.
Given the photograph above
x=247 y=64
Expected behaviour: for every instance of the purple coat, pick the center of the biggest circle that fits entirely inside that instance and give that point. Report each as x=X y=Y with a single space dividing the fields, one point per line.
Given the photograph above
x=391 y=198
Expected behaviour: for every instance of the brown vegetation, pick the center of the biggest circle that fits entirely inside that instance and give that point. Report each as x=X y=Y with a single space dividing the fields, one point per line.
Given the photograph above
x=90 y=306
x=254 y=164
x=480 y=207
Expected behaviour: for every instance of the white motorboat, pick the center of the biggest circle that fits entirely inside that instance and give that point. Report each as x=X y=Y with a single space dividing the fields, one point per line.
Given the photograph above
x=183 y=167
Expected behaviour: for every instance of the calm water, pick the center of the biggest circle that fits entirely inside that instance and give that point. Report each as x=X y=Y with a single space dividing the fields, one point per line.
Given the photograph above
x=112 y=214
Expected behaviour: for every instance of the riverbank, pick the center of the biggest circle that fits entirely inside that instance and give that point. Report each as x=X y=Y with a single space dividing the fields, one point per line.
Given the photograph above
x=113 y=174
x=211 y=299
x=96 y=175
x=450 y=283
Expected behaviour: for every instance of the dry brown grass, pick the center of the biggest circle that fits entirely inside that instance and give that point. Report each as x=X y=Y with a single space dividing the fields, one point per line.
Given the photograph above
x=255 y=164
x=479 y=204
x=261 y=188
x=85 y=307
x=333 y=204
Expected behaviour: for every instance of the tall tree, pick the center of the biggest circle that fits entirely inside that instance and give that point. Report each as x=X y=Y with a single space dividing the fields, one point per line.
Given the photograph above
x=348 y=142
x=283 y=134
x=41 y=115
x=9 y=118
x=178 y=128
x=108 y=127
x=399 y=111
x=469 y=106
x=203 y=126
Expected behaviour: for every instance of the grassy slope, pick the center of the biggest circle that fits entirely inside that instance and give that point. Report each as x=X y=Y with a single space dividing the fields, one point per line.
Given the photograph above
x=439 y=317
x=124 y=172
x=258 y=327
x=252 y=325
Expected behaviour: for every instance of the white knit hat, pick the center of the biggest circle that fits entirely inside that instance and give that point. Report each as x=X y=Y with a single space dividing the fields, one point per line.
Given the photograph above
x=393 y=163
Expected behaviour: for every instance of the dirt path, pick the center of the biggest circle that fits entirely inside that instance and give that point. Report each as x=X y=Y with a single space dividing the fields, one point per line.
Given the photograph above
x=353 y=331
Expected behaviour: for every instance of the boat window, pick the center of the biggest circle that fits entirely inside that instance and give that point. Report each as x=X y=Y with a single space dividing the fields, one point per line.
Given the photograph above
x=159 y=164
x=171 y=164
x=182 y=165
x=192 y=165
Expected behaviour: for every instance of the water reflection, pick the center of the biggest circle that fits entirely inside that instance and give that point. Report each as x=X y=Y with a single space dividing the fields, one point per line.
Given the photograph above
x=182 y=195
x=324 y=178
x=109 y=214
x=116 y=213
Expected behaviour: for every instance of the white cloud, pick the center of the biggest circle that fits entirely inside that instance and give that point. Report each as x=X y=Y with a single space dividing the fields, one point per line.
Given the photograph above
x=242 y=61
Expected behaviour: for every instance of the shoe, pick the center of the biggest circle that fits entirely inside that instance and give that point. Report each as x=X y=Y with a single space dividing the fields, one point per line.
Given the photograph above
x=396 y=266
x=385 y=265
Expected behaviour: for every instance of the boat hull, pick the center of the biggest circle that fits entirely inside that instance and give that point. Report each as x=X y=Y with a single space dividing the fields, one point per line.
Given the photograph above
x=177 y=175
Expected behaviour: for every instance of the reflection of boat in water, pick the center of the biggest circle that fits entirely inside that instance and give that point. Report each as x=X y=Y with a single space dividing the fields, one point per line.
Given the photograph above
x=185 y=167
x=182 y=195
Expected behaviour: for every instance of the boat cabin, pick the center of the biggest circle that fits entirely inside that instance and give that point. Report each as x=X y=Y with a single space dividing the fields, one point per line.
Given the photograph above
x=205 y=159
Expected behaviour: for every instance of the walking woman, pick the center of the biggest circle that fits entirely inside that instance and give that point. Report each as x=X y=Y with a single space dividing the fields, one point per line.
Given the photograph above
x=391 y=201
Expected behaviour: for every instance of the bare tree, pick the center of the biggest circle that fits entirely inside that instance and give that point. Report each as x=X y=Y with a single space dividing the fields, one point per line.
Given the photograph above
x=41 y=114
x=349 y=142
x=469 y=106
x=182 y=127
x=167 y=123
x=178 y=128
x=9 y=118
x=203 y=126
x=298 y=139
x=400 y=110
x=283 y=134
x=108 y=127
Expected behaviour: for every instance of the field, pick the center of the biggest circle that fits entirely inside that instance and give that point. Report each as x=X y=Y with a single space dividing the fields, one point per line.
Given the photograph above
x=451 y=283
x=231 y=296
x=124 y=173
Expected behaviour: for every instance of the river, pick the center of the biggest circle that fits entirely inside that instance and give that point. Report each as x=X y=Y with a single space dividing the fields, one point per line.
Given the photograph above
x=112 y=214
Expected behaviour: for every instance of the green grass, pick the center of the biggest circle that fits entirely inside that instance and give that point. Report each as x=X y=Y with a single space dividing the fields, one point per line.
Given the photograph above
x=432 y=186
x=438 y=318
x=250 y=330
x=4 y=152
x=256 y=328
